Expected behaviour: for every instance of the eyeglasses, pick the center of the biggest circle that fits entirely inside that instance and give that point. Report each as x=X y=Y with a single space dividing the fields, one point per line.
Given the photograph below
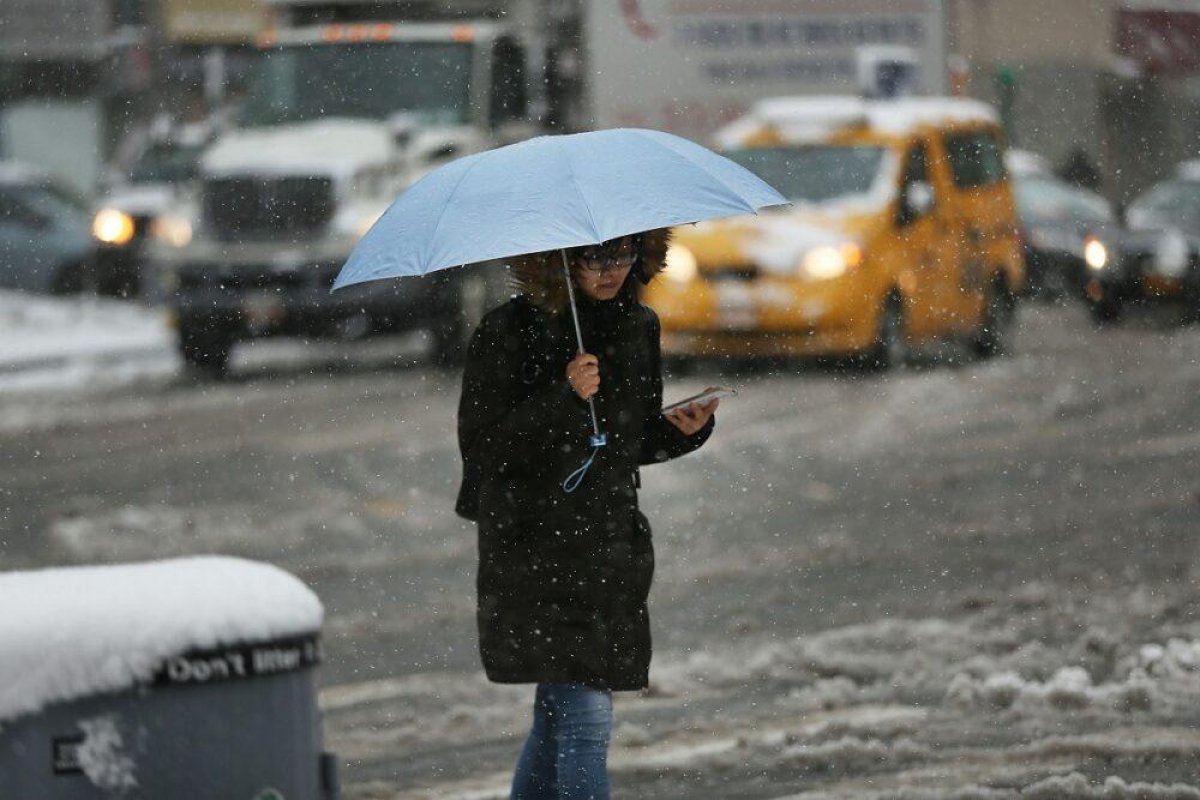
x=608 y=257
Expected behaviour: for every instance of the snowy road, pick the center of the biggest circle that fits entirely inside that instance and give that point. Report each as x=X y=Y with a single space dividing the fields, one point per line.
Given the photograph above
x=956 y=581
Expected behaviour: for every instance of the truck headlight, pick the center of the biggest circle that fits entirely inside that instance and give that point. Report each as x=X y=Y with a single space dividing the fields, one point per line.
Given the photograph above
x=1095 y=254
x=829 y=261
x=112 y=226
x=175 y=231
x=680 y=264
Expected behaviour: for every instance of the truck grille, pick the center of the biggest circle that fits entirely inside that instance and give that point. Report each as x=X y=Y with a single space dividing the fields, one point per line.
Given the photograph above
x=244 y=208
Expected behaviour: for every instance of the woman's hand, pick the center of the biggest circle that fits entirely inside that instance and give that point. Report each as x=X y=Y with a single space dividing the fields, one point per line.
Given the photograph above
x=692 y=417
x=583 y=373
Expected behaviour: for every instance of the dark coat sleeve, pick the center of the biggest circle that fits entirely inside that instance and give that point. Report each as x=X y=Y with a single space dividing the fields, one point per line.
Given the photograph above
x=662 y=441
x=500 y=416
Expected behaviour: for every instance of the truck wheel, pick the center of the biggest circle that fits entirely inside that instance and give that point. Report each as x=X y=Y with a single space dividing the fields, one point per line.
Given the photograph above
x=1106 y=311
x=77 y=278
x=995 y=326
x=891 y=346
x=205 y=351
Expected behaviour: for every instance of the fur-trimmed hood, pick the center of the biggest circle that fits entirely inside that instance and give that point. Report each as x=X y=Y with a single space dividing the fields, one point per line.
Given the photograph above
x=539 y=276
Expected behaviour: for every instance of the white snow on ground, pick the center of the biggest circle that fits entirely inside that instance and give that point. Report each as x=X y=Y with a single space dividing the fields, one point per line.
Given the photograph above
x=889 y=709
x=86 y=630
x=50 y=342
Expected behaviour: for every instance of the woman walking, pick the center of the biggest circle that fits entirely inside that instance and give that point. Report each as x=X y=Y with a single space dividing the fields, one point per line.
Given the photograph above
x=565 y=565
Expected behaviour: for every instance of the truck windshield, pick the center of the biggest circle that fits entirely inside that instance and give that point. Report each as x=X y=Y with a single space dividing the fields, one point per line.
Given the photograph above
x=361 y=80
x=814 y=174
x=164 y=163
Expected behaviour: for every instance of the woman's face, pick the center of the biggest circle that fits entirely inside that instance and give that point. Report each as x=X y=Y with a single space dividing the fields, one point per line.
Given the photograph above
x=601 y=270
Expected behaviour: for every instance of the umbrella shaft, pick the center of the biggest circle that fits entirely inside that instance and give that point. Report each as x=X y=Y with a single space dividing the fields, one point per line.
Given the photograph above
x=578 y=331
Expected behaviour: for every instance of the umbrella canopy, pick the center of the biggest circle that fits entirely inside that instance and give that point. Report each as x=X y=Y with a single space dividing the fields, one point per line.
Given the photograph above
x=548 y=193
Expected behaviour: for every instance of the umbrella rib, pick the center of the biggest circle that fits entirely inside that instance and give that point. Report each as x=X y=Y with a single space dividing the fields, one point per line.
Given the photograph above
x=749 y=207
x=441 y=216
x=582 y=196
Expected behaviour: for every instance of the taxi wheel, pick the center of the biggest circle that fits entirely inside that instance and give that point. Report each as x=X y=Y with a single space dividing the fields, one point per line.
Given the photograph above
x=76 y=278
x=995 y=326
x=891 y=347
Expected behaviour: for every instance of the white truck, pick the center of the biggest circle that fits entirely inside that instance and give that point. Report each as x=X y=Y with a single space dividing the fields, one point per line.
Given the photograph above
x=355 y=99
x=343 y=113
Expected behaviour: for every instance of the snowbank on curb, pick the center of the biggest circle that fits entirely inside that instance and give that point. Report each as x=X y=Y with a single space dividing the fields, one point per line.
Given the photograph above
x=35 y=328
x=1060 y=787
x=80 y=631
x=78 y=338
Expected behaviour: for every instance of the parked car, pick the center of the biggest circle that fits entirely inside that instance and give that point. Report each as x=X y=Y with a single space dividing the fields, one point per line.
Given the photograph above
x=136 y=197
x=1069 y=235
x=45 y=239
x=1161 y=249
x=903 y=231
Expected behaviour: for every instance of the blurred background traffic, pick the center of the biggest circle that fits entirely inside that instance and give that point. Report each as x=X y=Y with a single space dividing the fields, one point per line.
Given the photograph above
x=218 y=159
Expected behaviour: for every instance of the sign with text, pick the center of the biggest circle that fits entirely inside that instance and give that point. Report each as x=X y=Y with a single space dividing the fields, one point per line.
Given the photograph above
x=689 y=66
x=239 y=662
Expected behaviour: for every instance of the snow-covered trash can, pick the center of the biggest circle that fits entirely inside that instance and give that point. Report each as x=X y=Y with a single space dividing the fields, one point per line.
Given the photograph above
x=188 y=678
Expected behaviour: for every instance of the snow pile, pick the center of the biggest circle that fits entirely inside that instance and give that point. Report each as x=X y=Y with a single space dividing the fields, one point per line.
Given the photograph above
x=1059 y=787
x=1069 y=688
x=78 y=340
x=1076 y=787
x=88 y=630
x=1144 y=679
x=133 y=532
x=1177 y=659
x=830 y=667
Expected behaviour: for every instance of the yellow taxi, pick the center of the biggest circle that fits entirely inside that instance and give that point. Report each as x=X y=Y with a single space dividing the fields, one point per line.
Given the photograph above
x=902 y=231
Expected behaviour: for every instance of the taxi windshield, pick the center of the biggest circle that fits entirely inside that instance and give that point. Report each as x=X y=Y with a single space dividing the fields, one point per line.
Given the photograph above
x=816 y=173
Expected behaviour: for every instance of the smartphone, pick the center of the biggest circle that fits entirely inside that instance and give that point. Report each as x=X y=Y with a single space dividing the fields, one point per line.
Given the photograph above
x=703 y=397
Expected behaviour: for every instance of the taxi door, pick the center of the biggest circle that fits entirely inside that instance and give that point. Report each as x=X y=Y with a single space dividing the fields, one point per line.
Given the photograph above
x=919 y=258
x=980 y=221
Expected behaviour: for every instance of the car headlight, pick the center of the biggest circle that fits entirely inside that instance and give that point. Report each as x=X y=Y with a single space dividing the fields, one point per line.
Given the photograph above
x=175 y=231
x=112 y=226
x=830 y=261
x=680 y=264
x=1095 y=254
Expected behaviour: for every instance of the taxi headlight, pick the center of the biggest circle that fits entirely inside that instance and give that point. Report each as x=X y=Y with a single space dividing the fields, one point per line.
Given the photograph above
x=680 y=264
x=175 y=231
x=1095 y=254
x=112 y=226
x=830 y=261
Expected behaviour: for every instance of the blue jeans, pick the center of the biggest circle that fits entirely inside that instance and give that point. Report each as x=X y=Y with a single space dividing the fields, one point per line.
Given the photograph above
x=566 y=754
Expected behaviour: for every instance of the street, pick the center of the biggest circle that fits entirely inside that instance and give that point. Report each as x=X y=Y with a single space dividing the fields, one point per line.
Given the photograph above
x=961 y=579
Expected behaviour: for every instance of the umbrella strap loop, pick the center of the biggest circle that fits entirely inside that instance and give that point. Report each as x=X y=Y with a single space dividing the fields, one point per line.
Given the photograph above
x=576 y=478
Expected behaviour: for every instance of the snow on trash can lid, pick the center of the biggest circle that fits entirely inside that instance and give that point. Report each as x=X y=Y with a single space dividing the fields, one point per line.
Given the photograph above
x=78 y=631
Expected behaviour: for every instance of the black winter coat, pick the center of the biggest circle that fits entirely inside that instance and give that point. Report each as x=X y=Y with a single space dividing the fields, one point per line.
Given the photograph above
x=563 y=577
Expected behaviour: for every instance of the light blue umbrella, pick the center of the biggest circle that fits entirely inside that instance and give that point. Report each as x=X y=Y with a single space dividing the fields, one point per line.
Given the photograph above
x=552 y=193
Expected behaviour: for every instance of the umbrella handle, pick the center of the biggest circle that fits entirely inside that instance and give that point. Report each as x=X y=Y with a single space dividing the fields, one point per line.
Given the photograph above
x=598 y=439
